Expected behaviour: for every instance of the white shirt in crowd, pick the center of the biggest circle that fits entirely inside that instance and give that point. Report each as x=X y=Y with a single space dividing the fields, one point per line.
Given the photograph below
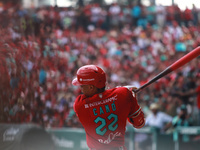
x=159 y=120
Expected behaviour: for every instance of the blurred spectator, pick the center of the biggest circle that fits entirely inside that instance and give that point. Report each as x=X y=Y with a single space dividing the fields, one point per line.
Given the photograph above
x=172 y=104
x=177 y=14
x=136 y=13
x=19 y=113
x=180 y=86
x=160 y=15
x=188 y=17
x=114 y=13
x=180 y=46
x=157 y=118
x=150 y=13
x=192 y=92
x=42 y=76
x=182 y=120
x=195 y=15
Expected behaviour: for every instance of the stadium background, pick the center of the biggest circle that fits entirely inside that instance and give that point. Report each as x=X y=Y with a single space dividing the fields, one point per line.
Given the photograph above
x=42 y=46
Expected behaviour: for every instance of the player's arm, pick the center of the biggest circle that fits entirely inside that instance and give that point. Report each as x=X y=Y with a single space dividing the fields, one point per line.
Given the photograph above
x=136 y=118
x=75 y=105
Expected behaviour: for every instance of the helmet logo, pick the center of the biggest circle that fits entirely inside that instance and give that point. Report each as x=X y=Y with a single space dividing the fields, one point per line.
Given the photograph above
x=88 y=79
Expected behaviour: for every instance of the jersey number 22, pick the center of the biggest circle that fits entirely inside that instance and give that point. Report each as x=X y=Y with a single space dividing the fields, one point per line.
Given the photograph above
x=112 y=126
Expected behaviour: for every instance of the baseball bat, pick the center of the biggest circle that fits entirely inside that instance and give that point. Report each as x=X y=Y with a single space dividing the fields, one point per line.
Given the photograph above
x=179 y=63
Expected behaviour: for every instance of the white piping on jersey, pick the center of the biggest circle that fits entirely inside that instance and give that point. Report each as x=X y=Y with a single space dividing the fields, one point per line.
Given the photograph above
x=135 y=112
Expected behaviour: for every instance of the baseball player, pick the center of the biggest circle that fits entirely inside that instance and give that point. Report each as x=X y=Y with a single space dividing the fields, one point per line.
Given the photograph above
x=104 y=113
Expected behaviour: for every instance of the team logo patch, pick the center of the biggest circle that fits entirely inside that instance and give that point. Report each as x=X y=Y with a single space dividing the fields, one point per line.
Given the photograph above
x=100 y=95
x=86 y=106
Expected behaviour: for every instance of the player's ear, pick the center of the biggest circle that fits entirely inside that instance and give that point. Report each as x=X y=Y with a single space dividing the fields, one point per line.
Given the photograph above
x=91 y=87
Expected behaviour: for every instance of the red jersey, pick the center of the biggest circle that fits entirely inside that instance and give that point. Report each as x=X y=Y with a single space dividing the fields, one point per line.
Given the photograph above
x=104 y=116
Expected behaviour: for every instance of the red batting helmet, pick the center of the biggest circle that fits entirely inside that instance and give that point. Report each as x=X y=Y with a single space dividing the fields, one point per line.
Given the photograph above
x=90 y=75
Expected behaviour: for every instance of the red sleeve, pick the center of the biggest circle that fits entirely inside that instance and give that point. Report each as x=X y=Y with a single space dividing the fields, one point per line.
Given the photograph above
x=136 y=116
x=75 y=106
x=198 y=89
x=78 y=103
x=134 y=106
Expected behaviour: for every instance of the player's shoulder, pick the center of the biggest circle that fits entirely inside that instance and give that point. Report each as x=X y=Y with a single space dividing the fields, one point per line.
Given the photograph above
x=79 y=99
x=79 y=102
x=121 y=90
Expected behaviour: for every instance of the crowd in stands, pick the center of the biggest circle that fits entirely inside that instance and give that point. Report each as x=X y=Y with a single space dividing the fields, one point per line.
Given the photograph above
x=42 y=48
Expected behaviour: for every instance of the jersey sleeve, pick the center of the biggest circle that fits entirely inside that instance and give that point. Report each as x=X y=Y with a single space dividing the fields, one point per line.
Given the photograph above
x=134 y=106
x=76 y=104
x=136 y=115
